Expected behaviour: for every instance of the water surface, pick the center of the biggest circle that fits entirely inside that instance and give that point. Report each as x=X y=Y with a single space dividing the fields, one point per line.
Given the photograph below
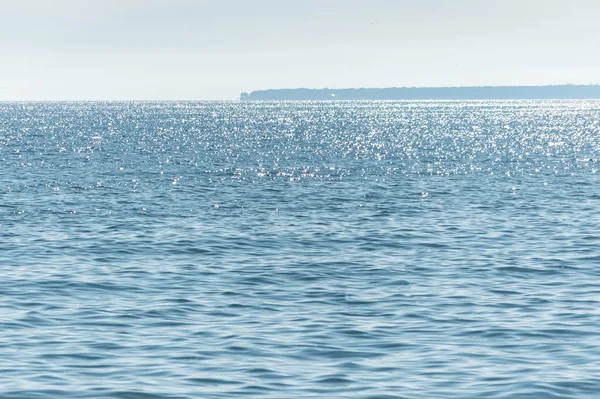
x=300 y=249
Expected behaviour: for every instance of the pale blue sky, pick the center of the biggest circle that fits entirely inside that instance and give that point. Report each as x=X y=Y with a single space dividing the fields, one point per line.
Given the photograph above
x=214 y=49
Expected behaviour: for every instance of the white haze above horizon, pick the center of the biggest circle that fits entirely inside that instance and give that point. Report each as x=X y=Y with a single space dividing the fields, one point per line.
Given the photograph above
x=215 y=49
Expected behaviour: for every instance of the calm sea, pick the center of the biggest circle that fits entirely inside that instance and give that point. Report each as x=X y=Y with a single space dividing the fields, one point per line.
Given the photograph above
x=369 y=250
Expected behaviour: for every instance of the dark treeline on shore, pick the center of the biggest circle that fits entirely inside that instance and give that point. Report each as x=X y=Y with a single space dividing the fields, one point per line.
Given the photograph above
x=431 y=93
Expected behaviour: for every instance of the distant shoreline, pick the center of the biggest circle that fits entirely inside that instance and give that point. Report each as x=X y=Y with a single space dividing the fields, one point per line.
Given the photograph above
x=557 y=92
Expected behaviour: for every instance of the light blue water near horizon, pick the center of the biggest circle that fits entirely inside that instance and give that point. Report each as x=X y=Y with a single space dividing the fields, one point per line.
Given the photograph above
x=300 y=249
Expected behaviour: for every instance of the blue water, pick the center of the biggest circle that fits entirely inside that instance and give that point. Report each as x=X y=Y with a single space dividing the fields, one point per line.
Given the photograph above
x=300 y=250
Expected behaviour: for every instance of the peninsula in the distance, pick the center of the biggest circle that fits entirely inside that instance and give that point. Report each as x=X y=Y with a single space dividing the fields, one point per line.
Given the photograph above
x=567 y=91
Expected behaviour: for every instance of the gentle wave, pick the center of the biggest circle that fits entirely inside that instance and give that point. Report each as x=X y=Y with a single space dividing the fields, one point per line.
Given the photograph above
x=310 y=249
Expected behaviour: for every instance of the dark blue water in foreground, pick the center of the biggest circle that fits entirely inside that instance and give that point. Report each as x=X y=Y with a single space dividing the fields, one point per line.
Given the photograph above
x=300 y=250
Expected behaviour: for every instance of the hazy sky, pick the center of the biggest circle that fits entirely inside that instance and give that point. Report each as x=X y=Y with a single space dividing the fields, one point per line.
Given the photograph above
x=214 y=49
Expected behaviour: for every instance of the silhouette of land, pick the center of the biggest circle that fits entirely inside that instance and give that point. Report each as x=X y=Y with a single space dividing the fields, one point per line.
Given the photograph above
x=431 y=93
